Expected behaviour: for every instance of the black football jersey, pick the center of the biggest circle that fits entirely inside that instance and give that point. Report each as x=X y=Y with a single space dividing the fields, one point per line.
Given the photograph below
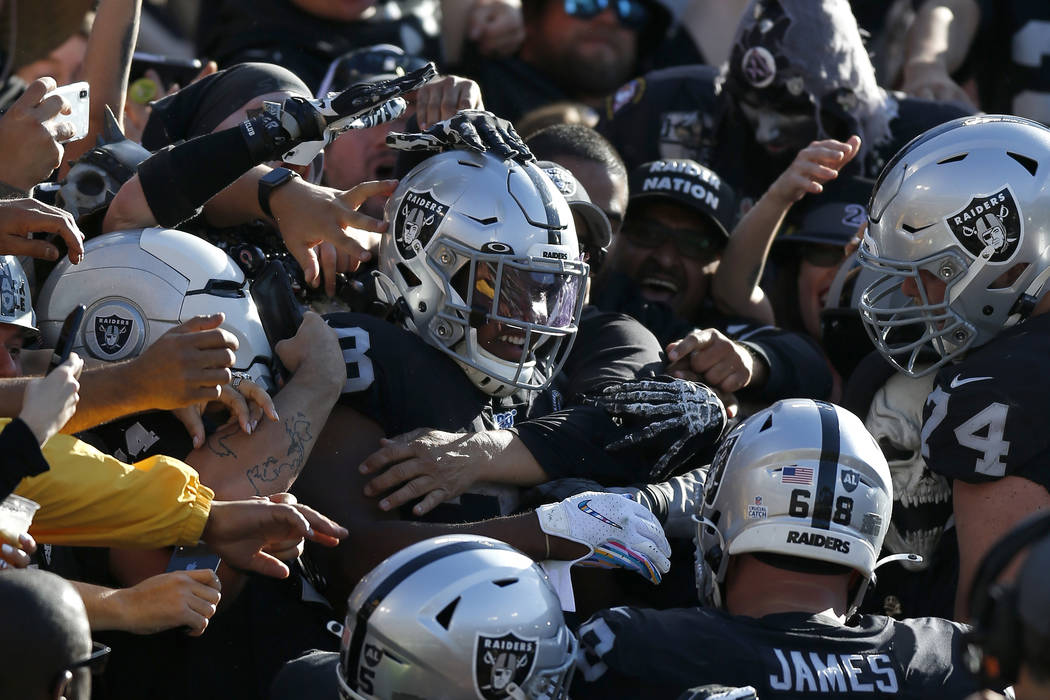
x=635 y=653
x=402 y=383
x=987 y=416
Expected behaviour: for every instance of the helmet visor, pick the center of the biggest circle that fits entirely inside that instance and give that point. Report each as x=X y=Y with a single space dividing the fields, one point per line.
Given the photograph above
x=529 y=296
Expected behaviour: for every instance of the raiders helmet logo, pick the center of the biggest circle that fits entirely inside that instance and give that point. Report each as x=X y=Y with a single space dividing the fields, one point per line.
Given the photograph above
x=988 y=220
x=501 y=664
x=12 y=293
x=562 y=179
x=758 y=66
x=718 y=468
x=416 y=221
x=112 y=333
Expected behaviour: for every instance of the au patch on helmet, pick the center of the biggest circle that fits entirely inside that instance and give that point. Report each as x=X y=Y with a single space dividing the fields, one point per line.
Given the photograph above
x=988 y=220
x=500 y=662
x=418 y=217
x=112 y=333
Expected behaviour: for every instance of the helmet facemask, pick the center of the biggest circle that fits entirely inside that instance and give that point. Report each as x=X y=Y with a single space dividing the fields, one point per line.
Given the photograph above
x=491 y=275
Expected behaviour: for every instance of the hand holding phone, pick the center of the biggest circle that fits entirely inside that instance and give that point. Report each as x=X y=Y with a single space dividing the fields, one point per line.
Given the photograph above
x=67 y=337
x=197 y=556
x=78 y=97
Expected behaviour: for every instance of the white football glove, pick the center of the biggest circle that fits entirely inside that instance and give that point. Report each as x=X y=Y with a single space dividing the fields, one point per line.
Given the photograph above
x=619 y=532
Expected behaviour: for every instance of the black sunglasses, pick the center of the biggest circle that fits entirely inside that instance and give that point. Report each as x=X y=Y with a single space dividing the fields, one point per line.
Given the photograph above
x=96 y=662
x=632 y=14
x=692 y=244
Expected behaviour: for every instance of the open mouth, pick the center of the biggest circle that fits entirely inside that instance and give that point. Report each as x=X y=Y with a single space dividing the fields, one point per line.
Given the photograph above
x=507 y=346
x=658 y=288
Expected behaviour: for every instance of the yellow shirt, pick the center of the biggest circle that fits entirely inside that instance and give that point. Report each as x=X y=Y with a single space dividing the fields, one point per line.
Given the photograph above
x=90 y=499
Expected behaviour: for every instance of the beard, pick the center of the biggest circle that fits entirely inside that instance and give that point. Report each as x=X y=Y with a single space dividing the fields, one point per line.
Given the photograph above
x=590 y=70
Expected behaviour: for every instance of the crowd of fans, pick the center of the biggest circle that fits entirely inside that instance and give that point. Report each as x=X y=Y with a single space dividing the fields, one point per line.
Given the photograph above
x=525 y=348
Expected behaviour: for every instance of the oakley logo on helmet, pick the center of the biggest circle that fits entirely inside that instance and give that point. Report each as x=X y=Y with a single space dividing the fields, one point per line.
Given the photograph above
x=988 y=220
x=823 y=541
x=417 y=219
x=758 y=66
x=501 y=664
x=112 y=333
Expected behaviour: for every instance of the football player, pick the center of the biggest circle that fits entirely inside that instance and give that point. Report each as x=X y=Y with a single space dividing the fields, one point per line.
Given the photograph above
x=795 y=508
x=959 y=238
x=481 y=269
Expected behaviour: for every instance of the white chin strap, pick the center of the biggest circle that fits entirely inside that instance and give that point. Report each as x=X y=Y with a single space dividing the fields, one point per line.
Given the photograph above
x=858 y=598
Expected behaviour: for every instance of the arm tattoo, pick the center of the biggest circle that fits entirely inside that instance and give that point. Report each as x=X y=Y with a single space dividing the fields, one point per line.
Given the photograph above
x=217 y=441
x=272 y=468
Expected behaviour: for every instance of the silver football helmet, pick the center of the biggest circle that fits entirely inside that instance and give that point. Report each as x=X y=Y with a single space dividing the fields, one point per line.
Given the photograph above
x=474 y=241
x=965 y=203
x=16 y=303
x=455 y=617
x=138 y=284
x=801 y=478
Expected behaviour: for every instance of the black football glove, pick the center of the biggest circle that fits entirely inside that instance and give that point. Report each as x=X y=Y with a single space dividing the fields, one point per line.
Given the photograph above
x=670 y=410
x=475 y=129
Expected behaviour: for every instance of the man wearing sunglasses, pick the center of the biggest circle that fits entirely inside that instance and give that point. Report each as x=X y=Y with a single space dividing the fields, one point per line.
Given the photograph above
x=578 y=50
x=45 y=638
x=659 y=270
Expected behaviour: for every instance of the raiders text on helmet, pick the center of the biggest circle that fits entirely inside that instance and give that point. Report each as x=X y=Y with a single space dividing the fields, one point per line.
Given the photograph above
x=138 y=284
x=966 y=203
x=456 y=617
x=475 y=240
x=802 y=478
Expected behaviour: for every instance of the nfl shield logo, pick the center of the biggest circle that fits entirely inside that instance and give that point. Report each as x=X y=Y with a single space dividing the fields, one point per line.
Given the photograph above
x=988 y=220
x=112 y=333
x=502 y=664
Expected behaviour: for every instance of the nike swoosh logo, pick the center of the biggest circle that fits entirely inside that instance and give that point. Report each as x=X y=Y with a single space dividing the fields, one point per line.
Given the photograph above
x=956 y=382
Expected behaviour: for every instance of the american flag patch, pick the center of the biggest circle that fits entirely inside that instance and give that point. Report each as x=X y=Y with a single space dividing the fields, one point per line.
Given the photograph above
x=796 y=475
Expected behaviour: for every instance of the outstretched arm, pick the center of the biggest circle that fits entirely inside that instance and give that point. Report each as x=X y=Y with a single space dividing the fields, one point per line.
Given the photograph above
x=735 y=286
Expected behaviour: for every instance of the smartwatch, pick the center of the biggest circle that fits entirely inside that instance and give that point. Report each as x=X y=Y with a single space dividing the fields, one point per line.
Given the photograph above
x=270 y=182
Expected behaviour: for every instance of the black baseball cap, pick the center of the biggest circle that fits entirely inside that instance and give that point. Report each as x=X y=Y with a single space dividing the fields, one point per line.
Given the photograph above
x=688 y=183
x=831 y=217
x=598 y=234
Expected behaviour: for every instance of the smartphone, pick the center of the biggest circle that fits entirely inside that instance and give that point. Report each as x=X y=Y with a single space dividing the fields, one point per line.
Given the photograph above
x=67 y=337
x=171 y=70
x=78 y=96
x=194 y=557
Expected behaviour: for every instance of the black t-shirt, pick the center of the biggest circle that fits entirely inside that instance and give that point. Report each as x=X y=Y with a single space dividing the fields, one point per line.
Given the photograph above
x=633 y=653
x=796 y=363
x=1011 y=52
x=987 y=416
x=682 y=113
x=511 y=87
x=276 y=31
